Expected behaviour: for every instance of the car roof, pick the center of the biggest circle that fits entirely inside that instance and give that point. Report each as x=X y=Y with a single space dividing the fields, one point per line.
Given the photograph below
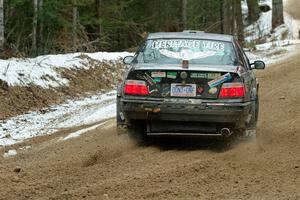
x=190 y=34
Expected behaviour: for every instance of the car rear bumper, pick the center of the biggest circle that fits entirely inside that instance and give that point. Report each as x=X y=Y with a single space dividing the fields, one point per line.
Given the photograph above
x=234 y=113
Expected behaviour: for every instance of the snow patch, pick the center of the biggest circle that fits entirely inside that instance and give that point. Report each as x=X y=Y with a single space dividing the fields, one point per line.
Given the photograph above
x=10 y=153
x=43 y=71
x=262 y=29
x=80 y=132
x=86 y=111
x=273 y=52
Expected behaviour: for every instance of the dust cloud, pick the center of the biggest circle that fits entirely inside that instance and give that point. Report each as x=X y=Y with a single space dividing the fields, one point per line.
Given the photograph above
x=293 y=7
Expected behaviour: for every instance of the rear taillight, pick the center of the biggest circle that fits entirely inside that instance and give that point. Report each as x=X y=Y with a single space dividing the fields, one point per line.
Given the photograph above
x=232 y=90
x=136 y=87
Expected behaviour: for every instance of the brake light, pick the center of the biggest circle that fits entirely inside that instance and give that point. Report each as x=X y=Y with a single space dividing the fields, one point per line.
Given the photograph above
x=230 y=90
x=136 y=87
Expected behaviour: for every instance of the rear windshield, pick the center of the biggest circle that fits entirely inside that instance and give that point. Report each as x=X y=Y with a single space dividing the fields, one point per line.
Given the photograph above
x=174 y=51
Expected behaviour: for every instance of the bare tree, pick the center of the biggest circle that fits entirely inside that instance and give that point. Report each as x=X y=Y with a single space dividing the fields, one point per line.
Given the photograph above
x=184 y=13
x=239 y=20
x=98 y=11
x=34 y=26
x=253 y=10
x=1 y=25
x=41 y=27
x=74 y=26
x=277 y=13
x=227 y=16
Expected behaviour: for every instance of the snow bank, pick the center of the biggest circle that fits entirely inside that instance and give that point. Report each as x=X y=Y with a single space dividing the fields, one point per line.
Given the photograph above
x=262 y=29
x=44 y=70
x=86 y=111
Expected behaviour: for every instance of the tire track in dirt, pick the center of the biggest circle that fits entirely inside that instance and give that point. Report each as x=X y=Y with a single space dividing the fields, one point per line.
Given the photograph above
x=101 y=165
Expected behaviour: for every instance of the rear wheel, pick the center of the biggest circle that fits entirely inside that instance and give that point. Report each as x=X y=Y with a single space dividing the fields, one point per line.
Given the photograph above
x=250 y=131
x=121 y=127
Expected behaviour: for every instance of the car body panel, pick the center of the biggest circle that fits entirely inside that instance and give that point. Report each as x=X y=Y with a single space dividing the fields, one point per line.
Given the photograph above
x=198 y=114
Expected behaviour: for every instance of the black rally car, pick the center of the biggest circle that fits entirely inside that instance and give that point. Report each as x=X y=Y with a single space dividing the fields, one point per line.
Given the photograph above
x=188 y=83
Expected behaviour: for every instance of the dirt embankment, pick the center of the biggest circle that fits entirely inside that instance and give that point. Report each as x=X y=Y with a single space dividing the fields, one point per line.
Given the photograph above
x=101 y=165
x=100 y=76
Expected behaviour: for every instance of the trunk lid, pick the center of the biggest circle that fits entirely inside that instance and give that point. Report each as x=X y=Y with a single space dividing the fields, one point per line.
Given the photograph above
x=200 y=82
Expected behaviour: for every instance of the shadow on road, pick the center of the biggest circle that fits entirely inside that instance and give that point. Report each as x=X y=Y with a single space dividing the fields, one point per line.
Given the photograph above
x=191 y=143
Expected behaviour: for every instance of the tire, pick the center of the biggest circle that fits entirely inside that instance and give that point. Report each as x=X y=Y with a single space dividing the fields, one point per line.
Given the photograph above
x=118 y=118
x=121 y=127
x=254 y=115
x=250 y=131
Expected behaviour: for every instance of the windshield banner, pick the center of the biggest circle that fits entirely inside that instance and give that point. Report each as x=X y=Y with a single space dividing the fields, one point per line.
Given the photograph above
x=181 y=43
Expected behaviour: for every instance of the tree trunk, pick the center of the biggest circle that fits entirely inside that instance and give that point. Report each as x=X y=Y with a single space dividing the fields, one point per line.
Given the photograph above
x=41 y=27
x=239 y=21
x=74 y=26
x=277 y=13
x=34 y=27
x=184 y=13
x=98 y=11
x=1 y=25
x=253 y=11
x=227 y=17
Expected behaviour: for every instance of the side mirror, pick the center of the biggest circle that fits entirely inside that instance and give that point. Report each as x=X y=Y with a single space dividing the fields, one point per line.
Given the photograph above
x=128 y=59
x=259 y=65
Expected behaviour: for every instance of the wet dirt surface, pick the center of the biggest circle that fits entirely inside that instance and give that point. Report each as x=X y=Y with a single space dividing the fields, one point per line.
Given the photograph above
x=101 y=165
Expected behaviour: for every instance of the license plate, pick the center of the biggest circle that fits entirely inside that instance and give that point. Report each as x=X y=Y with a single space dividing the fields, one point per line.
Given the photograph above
x=186 y=90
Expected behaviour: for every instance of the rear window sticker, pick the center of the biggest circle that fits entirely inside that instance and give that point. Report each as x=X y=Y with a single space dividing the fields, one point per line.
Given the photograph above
x=191 y=44
x=220 y=80
x=187 y=54
x=172 y=75
x=185 y=64
x=158 y=74
x=213 y=45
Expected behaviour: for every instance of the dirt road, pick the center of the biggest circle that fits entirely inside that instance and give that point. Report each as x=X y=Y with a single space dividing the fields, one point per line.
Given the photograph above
x=100 y=165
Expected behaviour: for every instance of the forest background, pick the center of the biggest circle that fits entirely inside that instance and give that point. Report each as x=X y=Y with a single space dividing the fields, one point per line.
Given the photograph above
x=38 y=27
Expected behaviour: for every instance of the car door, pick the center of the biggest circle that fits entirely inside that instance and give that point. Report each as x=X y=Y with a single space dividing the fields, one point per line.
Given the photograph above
x=247 y=74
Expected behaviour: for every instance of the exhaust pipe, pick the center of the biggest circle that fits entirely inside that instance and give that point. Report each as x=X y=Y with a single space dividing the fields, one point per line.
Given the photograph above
x=226 y=132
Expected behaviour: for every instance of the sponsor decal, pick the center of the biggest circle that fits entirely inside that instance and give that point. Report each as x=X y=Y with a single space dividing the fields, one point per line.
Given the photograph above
x=165 y=91
x=213 y=75
x=147 y=78
x=188 y=54
x=172 y=75
x=220 y=80
x=183 y=75
x=213 y=90
x=157 y=80
x=158 y=74
x=200 y=89
x=185 y=64
x=185 y=43
x=198 y=75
